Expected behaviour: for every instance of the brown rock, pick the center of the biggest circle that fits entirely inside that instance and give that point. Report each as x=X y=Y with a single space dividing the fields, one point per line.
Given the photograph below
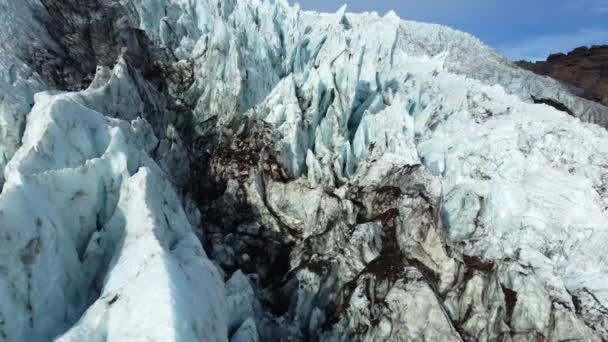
x=584 y=69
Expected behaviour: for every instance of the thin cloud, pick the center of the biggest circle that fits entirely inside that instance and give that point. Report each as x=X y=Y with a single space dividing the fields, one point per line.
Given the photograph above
x=586 y=7
x=539 y=47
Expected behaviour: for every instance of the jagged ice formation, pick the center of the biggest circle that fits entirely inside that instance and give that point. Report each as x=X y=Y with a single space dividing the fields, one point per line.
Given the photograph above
x=247 y=171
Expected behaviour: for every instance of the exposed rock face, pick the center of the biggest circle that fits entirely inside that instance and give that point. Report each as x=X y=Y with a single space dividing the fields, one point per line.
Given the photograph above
x=259 y=173
x=584 y=69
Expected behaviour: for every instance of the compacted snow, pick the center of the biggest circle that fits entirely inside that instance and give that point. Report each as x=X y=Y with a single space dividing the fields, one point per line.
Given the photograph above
x=350 y=176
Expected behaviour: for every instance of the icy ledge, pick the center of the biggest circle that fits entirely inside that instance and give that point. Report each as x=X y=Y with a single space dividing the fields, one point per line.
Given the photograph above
x=94 y=238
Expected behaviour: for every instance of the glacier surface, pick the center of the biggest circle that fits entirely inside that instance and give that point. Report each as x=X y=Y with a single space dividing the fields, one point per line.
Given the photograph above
x=248 y=171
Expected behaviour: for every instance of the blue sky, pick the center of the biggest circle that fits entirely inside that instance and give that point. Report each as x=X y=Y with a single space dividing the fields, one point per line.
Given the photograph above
x=520 y=29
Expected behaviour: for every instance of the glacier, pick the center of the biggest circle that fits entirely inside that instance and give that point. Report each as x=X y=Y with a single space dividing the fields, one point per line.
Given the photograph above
x=243 y=170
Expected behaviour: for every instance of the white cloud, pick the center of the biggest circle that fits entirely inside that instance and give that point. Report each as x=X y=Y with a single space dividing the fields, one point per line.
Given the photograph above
x=539 y=47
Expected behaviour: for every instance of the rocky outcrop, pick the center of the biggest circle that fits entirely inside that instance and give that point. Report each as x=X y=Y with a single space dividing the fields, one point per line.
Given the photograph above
x=584 y=70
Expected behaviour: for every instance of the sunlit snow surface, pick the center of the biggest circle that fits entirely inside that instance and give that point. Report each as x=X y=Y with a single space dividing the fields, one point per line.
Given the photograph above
x=95 y=244
x=89 y=222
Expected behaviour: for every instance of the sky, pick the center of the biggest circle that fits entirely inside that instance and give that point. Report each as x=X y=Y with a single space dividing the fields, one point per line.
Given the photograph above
x=519 y=29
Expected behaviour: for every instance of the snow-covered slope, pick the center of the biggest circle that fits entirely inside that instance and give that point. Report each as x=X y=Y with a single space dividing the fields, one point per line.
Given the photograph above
x=351 y=177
